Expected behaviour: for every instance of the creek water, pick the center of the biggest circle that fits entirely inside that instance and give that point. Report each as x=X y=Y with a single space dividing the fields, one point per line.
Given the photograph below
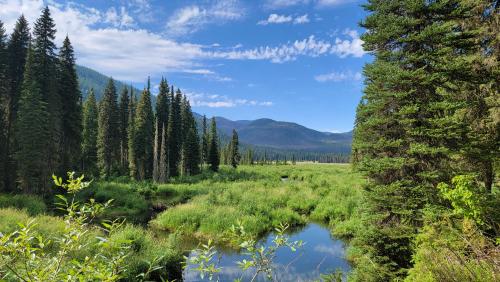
x=321 y=254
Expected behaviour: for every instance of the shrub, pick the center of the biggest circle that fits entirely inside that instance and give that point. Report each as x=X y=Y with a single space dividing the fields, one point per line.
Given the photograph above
x=32 y=204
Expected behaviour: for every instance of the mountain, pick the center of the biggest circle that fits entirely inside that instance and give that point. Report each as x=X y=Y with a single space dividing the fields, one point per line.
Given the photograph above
x=262 y=134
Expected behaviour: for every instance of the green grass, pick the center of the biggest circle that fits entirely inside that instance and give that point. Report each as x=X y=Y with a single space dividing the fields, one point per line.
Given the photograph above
x=32 y=204
x=256 y=196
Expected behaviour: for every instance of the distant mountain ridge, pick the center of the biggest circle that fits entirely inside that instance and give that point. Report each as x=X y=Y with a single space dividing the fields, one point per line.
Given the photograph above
x=264 y=133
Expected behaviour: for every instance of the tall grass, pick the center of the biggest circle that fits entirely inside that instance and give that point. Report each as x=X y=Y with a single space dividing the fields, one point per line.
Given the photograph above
x=259 y=198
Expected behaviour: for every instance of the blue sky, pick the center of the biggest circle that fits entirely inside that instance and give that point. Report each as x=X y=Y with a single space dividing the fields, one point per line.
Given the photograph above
x=290 y=60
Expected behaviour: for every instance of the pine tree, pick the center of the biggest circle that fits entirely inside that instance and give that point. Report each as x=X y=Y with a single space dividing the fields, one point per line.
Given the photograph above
x=143 y=136
x=235 y=152
x=204 y=141
x=406 y=131
x=45 y=64
x=190 y=144
x=89 y=135
x=17 y=52
x=162 y=178
x=213 y=150
x=156 y=154
x=32 y=134
x=174 y=134
x=4 y=87
x=123 y=127
x=131 y=135
x=69 y=92
x=162 y=108
x=108 y=140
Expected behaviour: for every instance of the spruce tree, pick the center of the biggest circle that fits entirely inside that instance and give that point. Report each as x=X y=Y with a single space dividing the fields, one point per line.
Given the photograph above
x=69 y=92
x=89 y=135
x=32 y=134
x=204 y=140
x=4 y=87
x=108 y=141
x=213 y=150
x=45 y=64
x=190 y=145
x=131 y=135
x=235 y=152
x=406 y=133
x=163 y=162
x=156 y=154
x=123 y=127
x=162 y=108
x=16 y=53
x=143 y=136
x=174 y=134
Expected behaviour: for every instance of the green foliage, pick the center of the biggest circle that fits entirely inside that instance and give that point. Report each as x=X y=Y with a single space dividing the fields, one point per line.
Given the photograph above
x=89 y=135
x=108 y=135
x=466 y=197
x=213 y=147
x=143 y=137
x=34 y=205
x=235 y=150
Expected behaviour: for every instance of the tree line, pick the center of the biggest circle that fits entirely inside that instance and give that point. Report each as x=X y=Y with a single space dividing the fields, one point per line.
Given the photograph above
x=430 y=111
x=47 y=129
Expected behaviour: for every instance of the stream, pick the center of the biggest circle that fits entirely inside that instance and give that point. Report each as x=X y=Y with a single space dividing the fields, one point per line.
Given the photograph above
x=321 y=254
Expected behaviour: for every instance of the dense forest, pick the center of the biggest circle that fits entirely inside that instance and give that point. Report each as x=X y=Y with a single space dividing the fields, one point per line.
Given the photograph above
x=47 y=129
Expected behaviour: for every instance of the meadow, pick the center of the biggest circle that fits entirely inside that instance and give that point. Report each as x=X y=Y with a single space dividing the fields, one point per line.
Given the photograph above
x=205 y=207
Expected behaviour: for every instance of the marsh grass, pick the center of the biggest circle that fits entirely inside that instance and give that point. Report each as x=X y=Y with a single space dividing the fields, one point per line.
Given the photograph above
x=258 y=198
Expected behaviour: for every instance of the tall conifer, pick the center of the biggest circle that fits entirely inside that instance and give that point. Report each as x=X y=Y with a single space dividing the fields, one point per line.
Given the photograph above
x=89 y=135
x=32 y=134
x=143 y=136
x=190 y=144
x=17 y=52
x=4 y=88
x=204 y=140
x=124 y=117
x=213 y=150
x=131 y=135
x=234 y=150
x=71 y=115
x=163 y=162
x=108 y=141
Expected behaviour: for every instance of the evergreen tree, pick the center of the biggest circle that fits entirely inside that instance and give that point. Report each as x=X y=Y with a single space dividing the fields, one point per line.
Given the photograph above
x=204 y=141
x=16 y=53
x=71 y=114
x=124 y=116
x=143 y=136
x=108 y=138
x=4 y=87
x=190 y=144
x=213 y=150
x=235 y=151
x=32 y=134
x=89 y=135
x=45 y=64
x=156 y=154
x=174 y=134
x=162 y=108
x=406 y=132
x=131 y=136
x=163 y=162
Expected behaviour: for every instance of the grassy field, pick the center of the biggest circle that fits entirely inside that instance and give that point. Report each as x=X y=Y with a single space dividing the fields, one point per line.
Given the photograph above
x=260 y=197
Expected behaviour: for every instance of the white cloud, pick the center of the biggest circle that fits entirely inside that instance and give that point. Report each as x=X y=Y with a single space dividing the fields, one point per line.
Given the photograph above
x=339 y=76
x=133 y=54
x=288 y=52
x=190 y=19
x=218 y=101
x=302 y=19
x=119 y=19
x=279 y=19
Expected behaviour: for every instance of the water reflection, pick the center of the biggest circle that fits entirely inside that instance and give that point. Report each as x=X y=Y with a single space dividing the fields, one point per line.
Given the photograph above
x=320 y=254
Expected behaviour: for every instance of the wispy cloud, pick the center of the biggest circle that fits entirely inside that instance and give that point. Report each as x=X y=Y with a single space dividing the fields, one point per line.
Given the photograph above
x=279 y=19
x=310 y=47
x=339 y=76
x=120 y=18
x=192 y=18
x=220 y=101
x=280 y=4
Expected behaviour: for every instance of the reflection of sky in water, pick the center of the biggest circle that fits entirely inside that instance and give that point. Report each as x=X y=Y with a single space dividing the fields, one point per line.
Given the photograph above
x=321 y=253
